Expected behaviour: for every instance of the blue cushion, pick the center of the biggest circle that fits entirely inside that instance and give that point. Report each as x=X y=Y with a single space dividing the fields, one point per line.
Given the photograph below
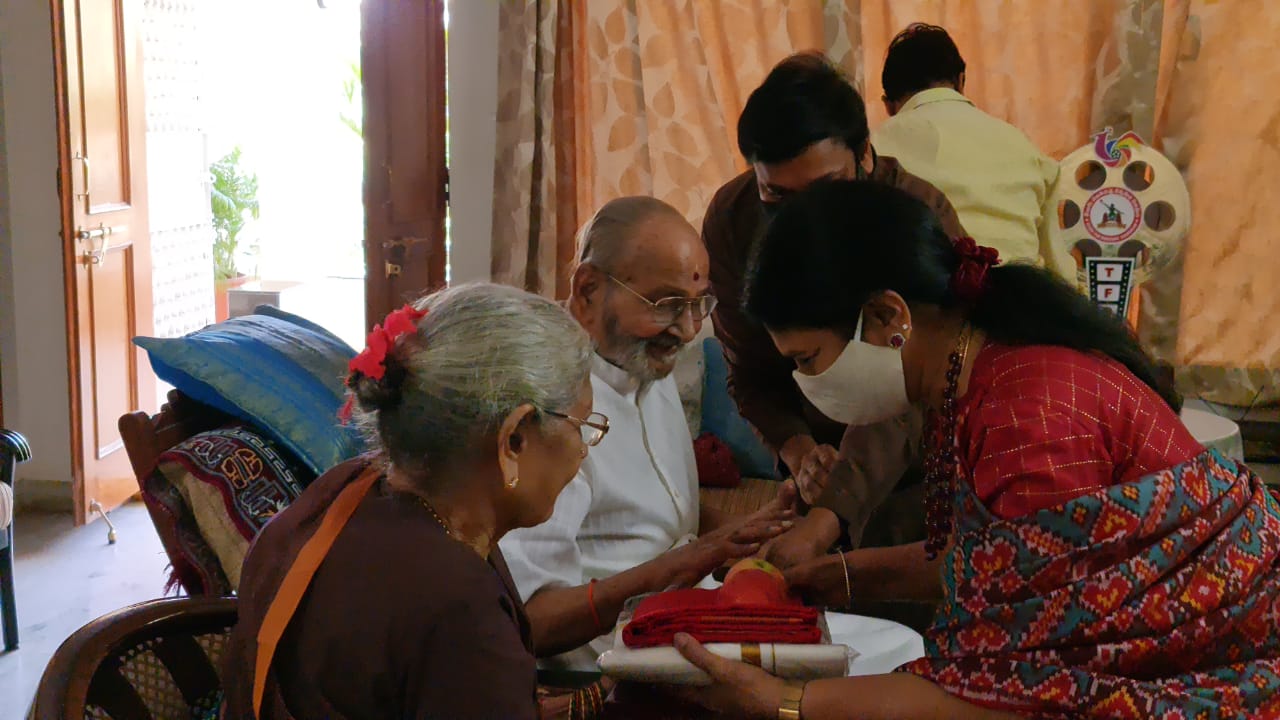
x=275 y=312
x=720 y=417
x=282 y=374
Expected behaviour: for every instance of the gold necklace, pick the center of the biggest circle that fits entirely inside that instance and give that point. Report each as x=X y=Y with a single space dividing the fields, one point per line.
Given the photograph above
x=479 y=547
x=447 y=530
x=966 y=336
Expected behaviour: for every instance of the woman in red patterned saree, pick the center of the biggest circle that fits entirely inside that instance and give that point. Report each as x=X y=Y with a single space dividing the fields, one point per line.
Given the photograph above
x=1091 y=558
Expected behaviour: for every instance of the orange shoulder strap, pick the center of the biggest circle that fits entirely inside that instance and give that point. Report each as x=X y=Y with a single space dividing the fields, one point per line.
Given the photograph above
x=298 y=578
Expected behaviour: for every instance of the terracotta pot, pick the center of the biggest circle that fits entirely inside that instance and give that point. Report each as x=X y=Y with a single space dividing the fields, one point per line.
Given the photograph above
x=220 y=288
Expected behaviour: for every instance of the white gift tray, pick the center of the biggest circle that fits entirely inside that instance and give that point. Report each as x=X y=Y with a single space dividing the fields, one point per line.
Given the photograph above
x=667 y=665
x=852 y=645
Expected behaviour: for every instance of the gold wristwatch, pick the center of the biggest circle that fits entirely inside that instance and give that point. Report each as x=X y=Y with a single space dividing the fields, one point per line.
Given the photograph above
x=792 y=694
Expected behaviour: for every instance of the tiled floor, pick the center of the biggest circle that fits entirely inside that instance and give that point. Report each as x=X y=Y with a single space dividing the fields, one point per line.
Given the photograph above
x=68 y=576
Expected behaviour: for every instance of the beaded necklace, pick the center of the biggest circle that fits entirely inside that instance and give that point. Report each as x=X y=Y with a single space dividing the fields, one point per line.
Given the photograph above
x=941 y=460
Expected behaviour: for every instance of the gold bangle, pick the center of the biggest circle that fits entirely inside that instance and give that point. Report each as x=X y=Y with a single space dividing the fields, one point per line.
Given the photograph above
x=848 y=586
x=792 y=696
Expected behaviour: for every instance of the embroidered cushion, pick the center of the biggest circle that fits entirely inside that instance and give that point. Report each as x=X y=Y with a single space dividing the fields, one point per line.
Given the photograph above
x=720 y=417
x=234 y=480
x=194 y=567
x=279 y=372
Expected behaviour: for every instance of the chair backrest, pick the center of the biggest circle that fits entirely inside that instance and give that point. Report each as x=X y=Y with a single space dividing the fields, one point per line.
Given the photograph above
x=146 y=437
x=14 y=449
x=158 y=660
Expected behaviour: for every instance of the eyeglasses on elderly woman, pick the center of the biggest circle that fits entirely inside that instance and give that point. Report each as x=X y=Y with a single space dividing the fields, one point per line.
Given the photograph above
x=593 y=428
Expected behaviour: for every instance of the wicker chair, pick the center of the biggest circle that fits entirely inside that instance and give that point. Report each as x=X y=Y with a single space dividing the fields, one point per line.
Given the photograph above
x=158 y=660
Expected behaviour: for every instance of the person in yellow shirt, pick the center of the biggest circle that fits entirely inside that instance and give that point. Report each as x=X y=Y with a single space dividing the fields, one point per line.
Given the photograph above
x=994 y=176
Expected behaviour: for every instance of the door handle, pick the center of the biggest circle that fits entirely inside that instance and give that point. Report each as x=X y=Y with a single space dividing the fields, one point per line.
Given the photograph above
x=396 y=250
x=101 y=231
x=84 y=167
x=99 y=239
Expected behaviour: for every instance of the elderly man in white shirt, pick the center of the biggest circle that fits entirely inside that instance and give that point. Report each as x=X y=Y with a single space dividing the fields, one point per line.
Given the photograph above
x=630 y=521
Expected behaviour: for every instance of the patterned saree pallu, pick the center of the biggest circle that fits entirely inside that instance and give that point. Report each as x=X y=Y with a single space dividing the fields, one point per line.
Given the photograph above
x=1158 y=598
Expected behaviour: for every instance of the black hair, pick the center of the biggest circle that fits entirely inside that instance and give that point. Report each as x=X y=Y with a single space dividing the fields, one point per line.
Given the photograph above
x=834 y=245
x=805 y=99
x=920 y=57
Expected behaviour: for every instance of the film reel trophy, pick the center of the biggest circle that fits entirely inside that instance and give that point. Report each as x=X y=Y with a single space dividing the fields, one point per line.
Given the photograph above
x=1122 y=210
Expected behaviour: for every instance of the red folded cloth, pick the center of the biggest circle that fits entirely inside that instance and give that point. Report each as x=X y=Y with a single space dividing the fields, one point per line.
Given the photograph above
x=701 y=614
x=716 y=466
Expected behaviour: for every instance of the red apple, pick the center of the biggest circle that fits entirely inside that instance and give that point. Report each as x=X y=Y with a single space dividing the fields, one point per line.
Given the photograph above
x=755 y=564
x=754 y=582
x=753 y=587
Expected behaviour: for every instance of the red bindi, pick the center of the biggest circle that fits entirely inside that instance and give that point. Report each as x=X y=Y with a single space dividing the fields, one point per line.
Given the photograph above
x=697 y=277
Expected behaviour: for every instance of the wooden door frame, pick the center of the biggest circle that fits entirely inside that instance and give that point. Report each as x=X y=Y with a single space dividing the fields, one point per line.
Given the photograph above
x=392 y=232
x=140 y=372
x=67 y=222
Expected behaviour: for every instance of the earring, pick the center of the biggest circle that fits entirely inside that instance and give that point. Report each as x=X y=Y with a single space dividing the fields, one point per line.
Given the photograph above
x=511 y=484
x=897 y=340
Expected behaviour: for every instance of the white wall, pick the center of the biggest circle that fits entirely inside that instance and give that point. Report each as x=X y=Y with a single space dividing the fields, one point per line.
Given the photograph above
x=473 y=109
x=33 y=341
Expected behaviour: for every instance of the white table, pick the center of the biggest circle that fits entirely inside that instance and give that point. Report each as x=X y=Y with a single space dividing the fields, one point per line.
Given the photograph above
x=1214 y=432
x=882 y=645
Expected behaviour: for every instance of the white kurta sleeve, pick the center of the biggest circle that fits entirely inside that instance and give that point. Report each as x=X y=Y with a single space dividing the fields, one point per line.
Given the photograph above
x=548 y=555
x=6 y=506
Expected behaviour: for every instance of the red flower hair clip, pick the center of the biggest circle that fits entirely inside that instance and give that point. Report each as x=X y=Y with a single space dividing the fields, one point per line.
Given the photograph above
x=372 y=361
x=970 y=278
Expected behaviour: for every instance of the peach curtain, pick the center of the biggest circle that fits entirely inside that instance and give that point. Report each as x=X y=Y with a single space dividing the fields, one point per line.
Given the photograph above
x=667 y=80
x=539 y=159
x=1219 y=122
x=658 y=85
x=603 y=98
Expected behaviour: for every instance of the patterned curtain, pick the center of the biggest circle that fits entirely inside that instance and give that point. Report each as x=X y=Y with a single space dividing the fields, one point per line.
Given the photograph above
x=1219 y=122
x=605 y=98
x=540 y=157
x=656 y=89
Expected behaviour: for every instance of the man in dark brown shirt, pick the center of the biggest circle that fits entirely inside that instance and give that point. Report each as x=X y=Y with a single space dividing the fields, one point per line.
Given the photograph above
x=804 y=123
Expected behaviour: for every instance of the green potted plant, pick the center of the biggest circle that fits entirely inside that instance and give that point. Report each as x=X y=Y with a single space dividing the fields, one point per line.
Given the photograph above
x=233 y=199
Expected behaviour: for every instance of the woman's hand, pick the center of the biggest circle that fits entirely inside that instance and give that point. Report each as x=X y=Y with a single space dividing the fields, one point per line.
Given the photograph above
x=815 y=472
x=820 y=582
x=735 y=539
x=737 y=690
x=810 y=464
x=811 y=537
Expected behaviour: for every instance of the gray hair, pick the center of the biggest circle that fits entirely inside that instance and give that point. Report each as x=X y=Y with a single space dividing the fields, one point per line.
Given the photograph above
x=481 y=351
x=603 y=239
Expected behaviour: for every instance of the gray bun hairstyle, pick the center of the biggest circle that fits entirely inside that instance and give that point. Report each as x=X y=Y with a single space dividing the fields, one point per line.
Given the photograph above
x=481 y=351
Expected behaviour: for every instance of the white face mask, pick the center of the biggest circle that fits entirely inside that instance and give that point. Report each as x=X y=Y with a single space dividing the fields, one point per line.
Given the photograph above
x=864 y=386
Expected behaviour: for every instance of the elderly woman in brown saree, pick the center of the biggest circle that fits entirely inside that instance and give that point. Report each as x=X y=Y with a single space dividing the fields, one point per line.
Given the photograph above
x=381 y=592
